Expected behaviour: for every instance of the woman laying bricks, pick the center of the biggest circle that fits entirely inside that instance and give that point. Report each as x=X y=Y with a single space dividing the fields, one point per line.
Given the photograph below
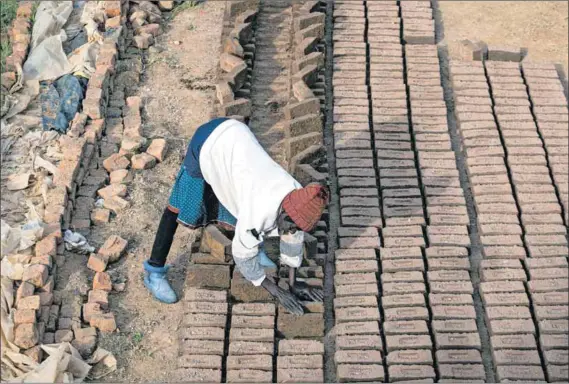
x=229 y=180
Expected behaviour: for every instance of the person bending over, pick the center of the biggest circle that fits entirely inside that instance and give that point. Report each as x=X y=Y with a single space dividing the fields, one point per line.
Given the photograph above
x=228 y=180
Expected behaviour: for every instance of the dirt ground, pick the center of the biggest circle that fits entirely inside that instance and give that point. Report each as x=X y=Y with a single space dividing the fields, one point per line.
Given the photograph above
x=177 y=89
x=539 y=26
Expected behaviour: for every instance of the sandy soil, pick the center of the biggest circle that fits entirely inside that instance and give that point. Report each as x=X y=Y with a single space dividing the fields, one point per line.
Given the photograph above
x=177 y=89
x=539 y=26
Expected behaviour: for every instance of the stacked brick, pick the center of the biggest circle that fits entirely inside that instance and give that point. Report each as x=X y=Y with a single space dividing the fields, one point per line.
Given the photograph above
x=20 y=37
x=418 y=23
x=144 y=19
x=203 y=335
x=549 y=107
x=236 y=62
x=359 y=345
x=304 y=122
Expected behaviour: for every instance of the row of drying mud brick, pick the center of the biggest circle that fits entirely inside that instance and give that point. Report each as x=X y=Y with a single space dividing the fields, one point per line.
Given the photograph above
x=509 y=141
x=216 y=347
x=424 y=295
x=249 y=343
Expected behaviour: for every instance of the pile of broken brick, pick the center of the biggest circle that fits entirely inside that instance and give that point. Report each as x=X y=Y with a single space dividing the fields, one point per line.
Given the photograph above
x=20 y=37
x=144 y=18
x=103 y=141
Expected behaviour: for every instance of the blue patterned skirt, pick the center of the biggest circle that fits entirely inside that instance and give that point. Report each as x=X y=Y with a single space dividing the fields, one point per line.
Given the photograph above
x=196 y=204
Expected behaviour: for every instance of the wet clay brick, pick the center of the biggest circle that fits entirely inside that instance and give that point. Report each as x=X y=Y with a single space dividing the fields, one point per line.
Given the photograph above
x=206 y=308
x=405 y=327
x=357 y=372
x=454 y=326
x=358 y=328
x=300 y=376
x=451 y=287
x=300 y=362
x=497 y=299
x=457 y=340
x=410 y=357
x=411 y=372
x=406 y=314
x=238 y=348
x=549 y=342
x=403 y=342
x=462 y=371
x=520 y=372
x=516 y=357
x=501 y=327
x=365 y=342
x=355 y=357
x=357 y=314
x=525 y=341
x=357 y=301
x=465 y=356
x=355 y=278
x=260 y=362
x=204 y=320
x=447 y=312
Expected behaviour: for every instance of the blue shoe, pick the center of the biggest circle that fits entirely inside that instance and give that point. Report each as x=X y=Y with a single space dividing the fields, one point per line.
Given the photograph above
x=155 y=281
x=265 y=261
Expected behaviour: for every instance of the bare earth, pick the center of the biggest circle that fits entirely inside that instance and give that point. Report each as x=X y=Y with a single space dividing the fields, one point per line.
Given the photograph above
x=177 y=89
x=539 y=26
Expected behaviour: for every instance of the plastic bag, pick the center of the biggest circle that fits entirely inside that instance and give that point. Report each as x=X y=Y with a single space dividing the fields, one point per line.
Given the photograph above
x=76 y=242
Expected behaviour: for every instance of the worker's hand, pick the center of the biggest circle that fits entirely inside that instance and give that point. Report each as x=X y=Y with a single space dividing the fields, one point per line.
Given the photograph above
x=285 y=298
x=307 y=293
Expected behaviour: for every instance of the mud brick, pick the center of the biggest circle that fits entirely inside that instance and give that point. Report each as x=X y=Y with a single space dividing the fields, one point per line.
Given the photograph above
x=450 y=299
x=358 y=192
x=359 y=242
x=449 y=312
x=497 y=229
x=497 y=299
x=556 y=356
x=402 y=276
x=406 y=314
x=548 y=251
x=410 y=357
x=356 y=290
x=356 y=314
x=546 y=240
x=399 y=173
x=550 y=298
x=359 y=301
x=503 y=274
x=520 y=372
x=497 y=252
x=405 y=327
x=543 y=229
x=449 y=264
x=359 y=172
x=355 y=357
x=501 y=286
x=208 y=276
x=300 y=376
x=548 y=285
x=358 y=372
x=252 y=321
x=404 y=342
x=300 y=362
x=553 y=341
x=357 y=328
x=355 y=254
x=347 y=181
x=451 y=287
x=519 y=341
x=557 y=373
x=516 y=357
x=356 y=266
x=308 y=325
x=548 y=273
x=204 y=320
x=407 y=300
x=446 y=252
x=551 y=312
x=400 y=265
x=401 y=288
x=464 y=356
x=355 y=278
x=206 y=308
x=404 y=242
x=462 y=372
x=434 y=276
x=354 y=232
x=202 y=333
x=446 y=200
x=454 y=326
x=457 y=340
x=505 y=240
x=200 y=361
x=367 y=342
x=501 y=327
x=402 y=202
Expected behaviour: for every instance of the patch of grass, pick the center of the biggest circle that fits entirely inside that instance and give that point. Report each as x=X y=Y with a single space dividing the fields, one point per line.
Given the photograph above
x=187 y=4
x=137 y=337
x=7 y=14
